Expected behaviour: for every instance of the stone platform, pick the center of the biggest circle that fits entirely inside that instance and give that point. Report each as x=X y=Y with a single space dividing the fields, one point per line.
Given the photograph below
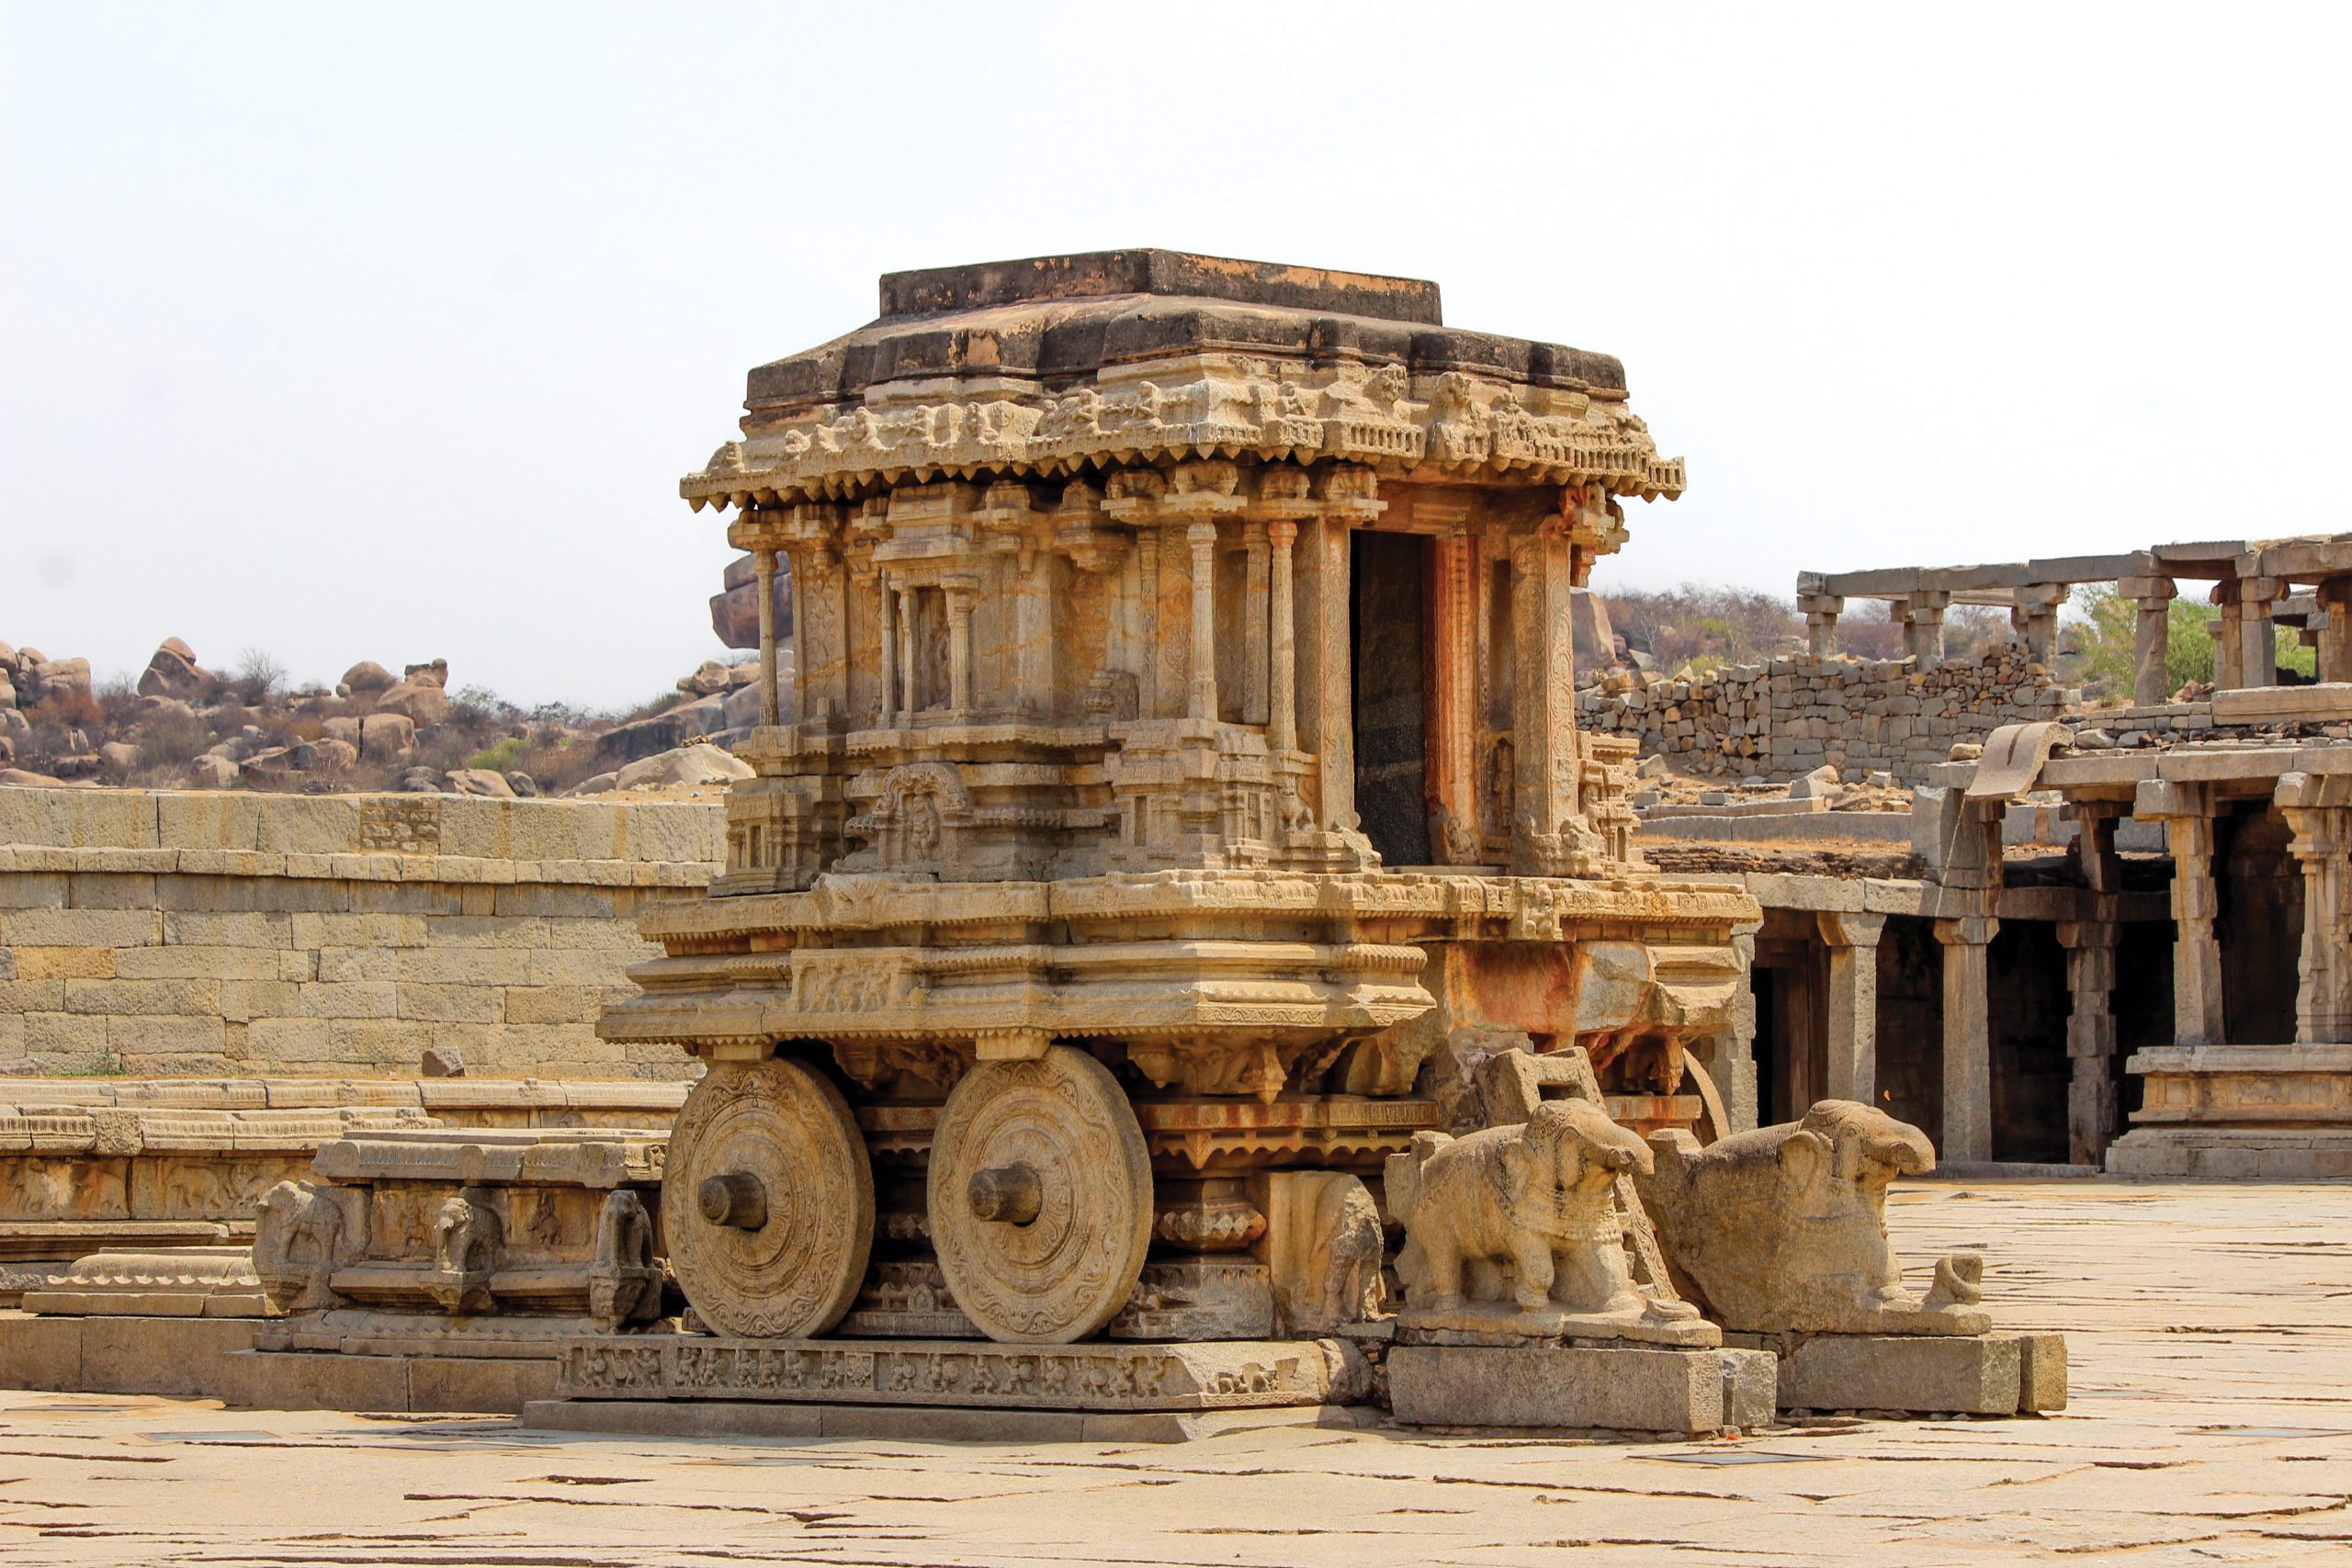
x=2280 y=1112
x=922 y=1423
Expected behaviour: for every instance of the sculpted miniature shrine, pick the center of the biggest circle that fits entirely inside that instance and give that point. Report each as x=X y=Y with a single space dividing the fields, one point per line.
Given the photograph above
x=1177 y=799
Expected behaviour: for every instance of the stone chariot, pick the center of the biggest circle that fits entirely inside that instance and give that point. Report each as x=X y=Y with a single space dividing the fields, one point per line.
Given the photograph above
x=1177 y=797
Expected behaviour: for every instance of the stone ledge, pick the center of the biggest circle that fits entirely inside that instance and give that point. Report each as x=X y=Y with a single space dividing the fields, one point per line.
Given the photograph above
x=1095 y=1377
x=1994 y=1374
x=917 y=1422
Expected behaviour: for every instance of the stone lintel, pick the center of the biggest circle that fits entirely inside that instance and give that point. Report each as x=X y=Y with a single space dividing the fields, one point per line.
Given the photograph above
x=981 y=286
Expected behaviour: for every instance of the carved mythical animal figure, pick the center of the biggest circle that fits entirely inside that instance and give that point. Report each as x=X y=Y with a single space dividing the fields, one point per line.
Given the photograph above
x=298 y=1244
x=1784 y=1228
x=624 y=1282
x=1535 y=1201
x=467 y=1240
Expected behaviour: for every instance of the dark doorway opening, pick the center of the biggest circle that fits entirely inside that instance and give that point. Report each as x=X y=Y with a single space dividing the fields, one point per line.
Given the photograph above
x=2031 y=1072
x=2261 y=927
x=1387 y=632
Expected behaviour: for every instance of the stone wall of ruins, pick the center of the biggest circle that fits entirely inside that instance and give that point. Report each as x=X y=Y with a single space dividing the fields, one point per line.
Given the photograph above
x=169 y=933
x=1795 y=714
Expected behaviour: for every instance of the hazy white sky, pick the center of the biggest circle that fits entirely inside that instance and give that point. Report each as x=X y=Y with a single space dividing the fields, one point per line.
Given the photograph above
x=385 y=333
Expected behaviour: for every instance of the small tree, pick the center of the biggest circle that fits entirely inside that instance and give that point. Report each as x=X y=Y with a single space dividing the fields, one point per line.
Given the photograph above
x=256 y=678
x=2104 y=646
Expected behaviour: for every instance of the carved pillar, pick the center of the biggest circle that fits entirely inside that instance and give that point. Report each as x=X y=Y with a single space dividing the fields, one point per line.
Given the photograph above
x=1968 y=1037
x=2033 y=614
x=1450 y=682
x=959 y=649
x=1282 y=676
x=1201 y=536
x=1325 y=708
x=1852 y=940
x=1922 y=616
x=2094 y=1112
x=1544 y=678
x=2187 y=812
x=1148 y=588
x=2334 y=596
x=2316 y=806
x=888 y=615
x=1033 y=614
x=1821 y=612
x=763 y=565
x=908 y=629
x=1256 y=614
x=2151 y=682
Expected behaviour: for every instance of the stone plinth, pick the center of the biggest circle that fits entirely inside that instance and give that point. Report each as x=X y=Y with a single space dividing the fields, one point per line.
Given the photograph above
x=75 y=1180
x=454 y=1233
x=1196 y=1376
x=2240 y=1110
x=1622 y=1388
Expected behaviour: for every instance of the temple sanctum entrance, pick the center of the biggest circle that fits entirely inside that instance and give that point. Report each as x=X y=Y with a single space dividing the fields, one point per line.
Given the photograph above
x=1388 y=657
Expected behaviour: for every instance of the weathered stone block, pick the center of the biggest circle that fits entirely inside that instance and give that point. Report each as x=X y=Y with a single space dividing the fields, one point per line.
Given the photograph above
x=1923 y=1373
x=1619 y=1388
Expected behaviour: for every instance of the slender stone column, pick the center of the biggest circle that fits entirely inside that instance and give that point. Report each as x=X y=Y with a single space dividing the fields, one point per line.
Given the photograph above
x=2151 y=682
x=2229 y=641
x=1853 y=1003
x=907 y=625
x=1968 y=1037
x=763 y=565
x=2317 y=807
x=2094 y=1112
x=887 y=616
x=1821 y=612
x=1148 y=589
x=1201 y=536
x=959 y=649
x=1256 y=614
x=2334 y=596
x=1282 y=677
x=1451 y=699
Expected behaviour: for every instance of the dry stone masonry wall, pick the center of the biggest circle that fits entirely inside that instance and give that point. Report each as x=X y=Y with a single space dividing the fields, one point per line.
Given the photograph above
x=1795 y=714
x=172 y=933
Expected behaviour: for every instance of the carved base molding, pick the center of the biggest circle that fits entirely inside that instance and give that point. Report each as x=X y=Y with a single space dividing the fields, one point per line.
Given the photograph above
x=1226 y=1374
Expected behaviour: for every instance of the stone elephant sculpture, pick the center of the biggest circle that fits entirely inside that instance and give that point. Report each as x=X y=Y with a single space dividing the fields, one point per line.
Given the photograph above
x=1783 y=1229
x=1521 y=1222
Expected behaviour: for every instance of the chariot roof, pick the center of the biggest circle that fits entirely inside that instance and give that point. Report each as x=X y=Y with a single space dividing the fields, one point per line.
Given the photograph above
x=1053 y=363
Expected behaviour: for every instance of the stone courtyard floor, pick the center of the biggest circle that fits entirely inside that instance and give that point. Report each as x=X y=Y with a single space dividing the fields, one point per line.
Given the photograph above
x=2211 y=1330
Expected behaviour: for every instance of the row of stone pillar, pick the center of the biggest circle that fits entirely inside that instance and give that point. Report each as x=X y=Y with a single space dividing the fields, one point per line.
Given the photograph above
x=2244 y=635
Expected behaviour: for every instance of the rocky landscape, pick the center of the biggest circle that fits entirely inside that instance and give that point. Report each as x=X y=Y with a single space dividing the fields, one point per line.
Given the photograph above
x=180 y=725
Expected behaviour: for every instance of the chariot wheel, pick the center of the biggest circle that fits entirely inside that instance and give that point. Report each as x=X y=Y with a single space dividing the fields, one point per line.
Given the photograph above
x=1713 y=1121
x=1040 y=1197
x=768 y=1200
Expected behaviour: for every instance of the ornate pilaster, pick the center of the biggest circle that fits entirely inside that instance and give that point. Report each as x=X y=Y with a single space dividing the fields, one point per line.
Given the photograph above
x=763 y=567
x=2187 y=812
x=959 y=649
x=2094 y=1112
x=1201 y=706
x=1282 y=675
x=1544 y=829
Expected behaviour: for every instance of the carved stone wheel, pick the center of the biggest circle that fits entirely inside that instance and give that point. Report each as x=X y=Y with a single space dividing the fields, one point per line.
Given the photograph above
x=1040 y=1197
x=1713 y=1121
x=768 y=1201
